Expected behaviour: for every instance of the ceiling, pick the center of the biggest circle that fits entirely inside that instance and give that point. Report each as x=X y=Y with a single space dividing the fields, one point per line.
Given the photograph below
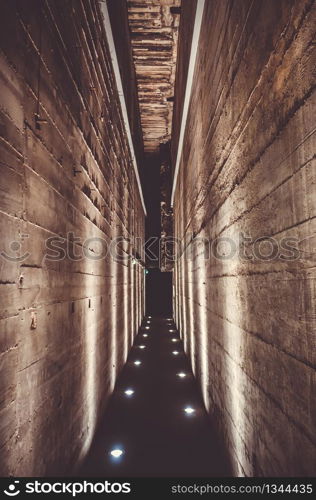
x=154 y=33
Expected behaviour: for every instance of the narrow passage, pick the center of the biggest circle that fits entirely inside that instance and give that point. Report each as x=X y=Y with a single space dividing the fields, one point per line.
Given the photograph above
x=156 y=423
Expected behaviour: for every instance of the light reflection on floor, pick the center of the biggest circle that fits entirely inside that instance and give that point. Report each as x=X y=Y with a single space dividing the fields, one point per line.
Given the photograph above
x=160 y=426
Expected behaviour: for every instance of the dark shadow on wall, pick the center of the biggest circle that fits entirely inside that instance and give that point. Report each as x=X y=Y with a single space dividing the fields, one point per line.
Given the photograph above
x=158 y=293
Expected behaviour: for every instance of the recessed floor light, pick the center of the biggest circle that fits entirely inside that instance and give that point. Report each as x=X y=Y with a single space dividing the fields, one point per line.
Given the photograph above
x=137 y=362
x=174 y=340
x=145 y=334
x=142 y=346
x=116 y=453
x=172 y=330
x=129 y=392
x=189 y=410
x=175 y=353
x=147 y=327
x=181 y=374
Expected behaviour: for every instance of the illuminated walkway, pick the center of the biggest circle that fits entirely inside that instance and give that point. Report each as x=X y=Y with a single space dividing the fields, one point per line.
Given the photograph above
x=156 y=423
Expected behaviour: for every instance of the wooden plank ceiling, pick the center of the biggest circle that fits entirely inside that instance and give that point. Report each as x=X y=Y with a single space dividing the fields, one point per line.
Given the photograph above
x=154 y=33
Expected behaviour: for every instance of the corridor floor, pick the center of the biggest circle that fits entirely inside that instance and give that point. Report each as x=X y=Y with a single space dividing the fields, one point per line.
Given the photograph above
x=162 y=428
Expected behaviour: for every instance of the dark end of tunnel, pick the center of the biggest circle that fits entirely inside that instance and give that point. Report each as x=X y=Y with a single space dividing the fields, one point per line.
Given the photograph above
x=158 y=293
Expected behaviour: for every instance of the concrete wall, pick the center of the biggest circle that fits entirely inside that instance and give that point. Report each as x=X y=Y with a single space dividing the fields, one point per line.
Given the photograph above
x=66 y=324
x=118 y=12
x=248 y=166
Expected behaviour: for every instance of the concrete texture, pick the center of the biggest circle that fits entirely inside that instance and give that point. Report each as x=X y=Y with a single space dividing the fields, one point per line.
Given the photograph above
x=118 y=12
x=166 y=213
x=67 y=324
x=248 y=166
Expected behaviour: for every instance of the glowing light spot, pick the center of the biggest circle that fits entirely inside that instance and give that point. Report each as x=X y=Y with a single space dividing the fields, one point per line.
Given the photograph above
x=142 y=346
x=181 y=374
x=116 y=453
x=137 y=362
x=147 y=327
x=189 y=410
x=174 y=340
x=175 y=353
x=129 y=392
x=145 y=335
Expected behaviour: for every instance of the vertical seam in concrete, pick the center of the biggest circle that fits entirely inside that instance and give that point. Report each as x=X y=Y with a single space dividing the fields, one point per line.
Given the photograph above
x=116 y=70
x=188 y=89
